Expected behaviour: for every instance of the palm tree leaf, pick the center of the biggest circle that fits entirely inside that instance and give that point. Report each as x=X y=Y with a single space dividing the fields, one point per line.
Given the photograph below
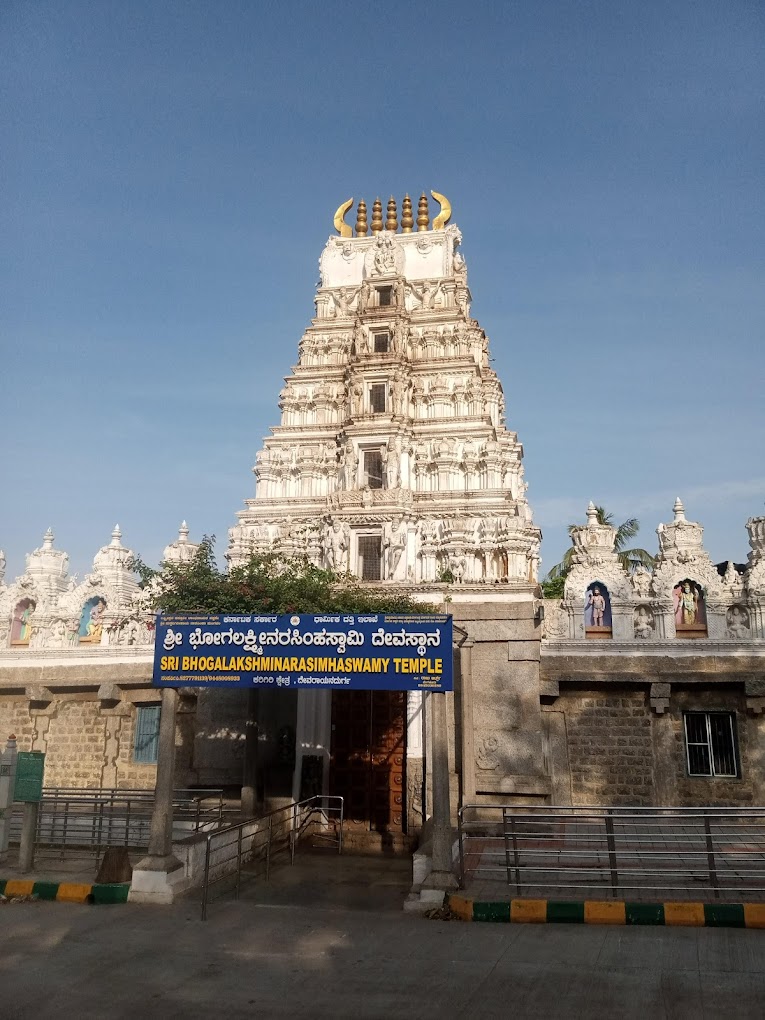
x=561 y=569
x=630 y=558
x=603 y=516
x=627 y=530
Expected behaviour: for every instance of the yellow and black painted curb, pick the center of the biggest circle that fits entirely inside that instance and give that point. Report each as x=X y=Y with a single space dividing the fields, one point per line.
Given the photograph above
x=709 y=915
x=66 y=892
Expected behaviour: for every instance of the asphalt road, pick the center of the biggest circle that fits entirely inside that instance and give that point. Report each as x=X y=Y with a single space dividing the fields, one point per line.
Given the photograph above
x=282 y=959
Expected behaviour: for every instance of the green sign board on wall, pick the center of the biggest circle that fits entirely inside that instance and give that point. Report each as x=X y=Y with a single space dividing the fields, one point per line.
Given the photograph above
x=30 y=769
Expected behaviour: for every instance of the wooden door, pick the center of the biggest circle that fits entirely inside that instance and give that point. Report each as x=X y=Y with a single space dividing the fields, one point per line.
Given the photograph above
x=368 y=753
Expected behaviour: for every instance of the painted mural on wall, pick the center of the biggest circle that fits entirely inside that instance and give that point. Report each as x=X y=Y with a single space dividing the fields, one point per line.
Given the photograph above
x=91 y=621
x=21 y=628
x=689 y=607
x=597 y=607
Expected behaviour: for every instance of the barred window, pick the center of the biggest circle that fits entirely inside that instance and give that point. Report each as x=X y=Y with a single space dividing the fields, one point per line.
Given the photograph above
x=382 y=343
x=370 y=557
x=385 y=295
x=710 y=743
x=146 y=741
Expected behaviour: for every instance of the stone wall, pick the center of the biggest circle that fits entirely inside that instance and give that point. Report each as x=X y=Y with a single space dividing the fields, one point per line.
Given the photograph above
x=497 y=694
x=609 y=743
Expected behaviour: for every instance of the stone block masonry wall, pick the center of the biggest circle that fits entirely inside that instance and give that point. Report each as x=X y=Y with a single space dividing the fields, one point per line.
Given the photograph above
x=15 y=718
x=609 y=746
x=75 y=744
x=88 y=744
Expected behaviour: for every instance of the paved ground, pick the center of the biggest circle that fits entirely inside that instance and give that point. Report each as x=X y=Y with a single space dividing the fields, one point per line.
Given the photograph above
x=340 y=946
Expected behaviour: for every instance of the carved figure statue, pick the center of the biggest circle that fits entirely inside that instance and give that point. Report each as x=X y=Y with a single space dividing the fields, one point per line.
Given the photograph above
x=23 y=622
x=384 y=258
x=343 y=301
x=394 y=544
x=59 y=633
x=392 y=464
x=95 y=623
x=738 y=622
x=72 y=631
x=2 y=566
x=688 y=605
x=335 y=546
x=598 y=605
x=357 y=399
x=427 y=293
x=351 y=460
x=643 y=623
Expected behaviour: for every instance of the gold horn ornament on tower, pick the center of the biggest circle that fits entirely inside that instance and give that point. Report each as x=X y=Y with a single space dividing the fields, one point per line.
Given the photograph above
x=340 y=225
x=446 y=211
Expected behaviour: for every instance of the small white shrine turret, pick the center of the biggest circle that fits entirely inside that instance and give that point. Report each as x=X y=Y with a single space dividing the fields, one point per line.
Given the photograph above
x=181 y=550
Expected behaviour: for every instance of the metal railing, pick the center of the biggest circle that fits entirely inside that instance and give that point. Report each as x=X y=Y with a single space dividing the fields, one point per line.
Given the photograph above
x=249 y=847
x=75 y=821
x=614 y=850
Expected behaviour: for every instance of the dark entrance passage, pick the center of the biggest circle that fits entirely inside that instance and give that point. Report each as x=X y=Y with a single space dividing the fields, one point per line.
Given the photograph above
x=368 y=756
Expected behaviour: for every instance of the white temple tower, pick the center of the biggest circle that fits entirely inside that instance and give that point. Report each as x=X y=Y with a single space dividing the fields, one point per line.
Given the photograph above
x=392 y=459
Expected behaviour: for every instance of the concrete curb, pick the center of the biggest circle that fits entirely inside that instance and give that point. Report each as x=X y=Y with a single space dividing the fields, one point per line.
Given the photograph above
x=709 y=915
x=66 y=892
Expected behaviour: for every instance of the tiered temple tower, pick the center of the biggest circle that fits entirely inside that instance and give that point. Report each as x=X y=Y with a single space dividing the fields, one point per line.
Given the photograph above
x=392 y=459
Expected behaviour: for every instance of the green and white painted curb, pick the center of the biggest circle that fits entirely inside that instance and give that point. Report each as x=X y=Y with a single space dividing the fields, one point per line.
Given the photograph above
x=66 y=892
x=709 y=915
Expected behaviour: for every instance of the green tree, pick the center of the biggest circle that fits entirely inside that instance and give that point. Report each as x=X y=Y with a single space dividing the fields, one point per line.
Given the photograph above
x=625 y=532
x=266 y=583
x=553 y=588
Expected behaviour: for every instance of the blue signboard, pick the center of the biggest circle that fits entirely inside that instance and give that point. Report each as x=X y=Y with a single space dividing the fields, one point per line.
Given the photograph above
x=337 y=651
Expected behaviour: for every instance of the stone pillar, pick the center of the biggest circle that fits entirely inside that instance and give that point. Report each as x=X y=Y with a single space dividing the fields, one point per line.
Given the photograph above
x=442 y=876
x=468 y=739
x=415 y=771
x=158 y=877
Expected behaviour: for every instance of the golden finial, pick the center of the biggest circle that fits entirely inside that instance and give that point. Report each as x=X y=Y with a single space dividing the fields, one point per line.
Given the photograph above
x=446 y=211
x=422 y=212
x=377 y=216
x=406 y=215
x=391 y=223
x=361 y=219
x=340 y=225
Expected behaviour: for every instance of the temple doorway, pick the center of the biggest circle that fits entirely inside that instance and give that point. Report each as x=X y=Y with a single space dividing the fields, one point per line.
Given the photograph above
x=368 y=759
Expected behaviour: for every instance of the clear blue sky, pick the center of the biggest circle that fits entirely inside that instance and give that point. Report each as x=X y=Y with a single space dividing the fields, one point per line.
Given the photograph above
x=169 y=175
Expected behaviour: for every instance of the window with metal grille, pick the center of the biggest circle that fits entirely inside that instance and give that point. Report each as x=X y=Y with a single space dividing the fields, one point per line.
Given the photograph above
x=382 y=343
x=377 y=397
x=373 y=469
x=384 y=295
x=710 y=743
x=370 y=557
x=146 y=741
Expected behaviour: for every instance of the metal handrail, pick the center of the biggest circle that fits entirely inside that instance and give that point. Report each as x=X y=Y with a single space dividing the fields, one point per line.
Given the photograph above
x=259 y=839
x=81 y=819
x=614 y=849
